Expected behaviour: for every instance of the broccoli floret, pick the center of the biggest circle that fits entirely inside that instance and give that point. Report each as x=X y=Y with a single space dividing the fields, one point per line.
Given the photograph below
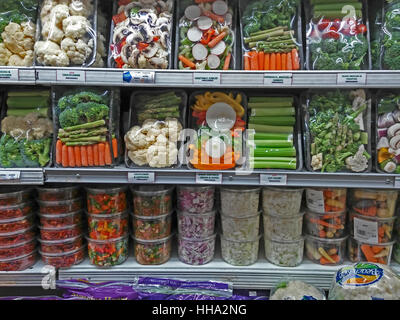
x=64 y=103
x=86 y=96
x=391 y=58
x=92 y=111
x=9 y=152
x=329 y=46
x=68 y=118
x=36 y=153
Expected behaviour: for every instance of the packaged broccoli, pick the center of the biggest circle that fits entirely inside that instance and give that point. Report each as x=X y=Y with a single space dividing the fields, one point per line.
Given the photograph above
x=206 y=35
x=142 y=35
x=67 y=35
x=337 y=130
x=87 y=125
x=271 y=35
x=337 y=35
x=26 y=128
x=390 y=35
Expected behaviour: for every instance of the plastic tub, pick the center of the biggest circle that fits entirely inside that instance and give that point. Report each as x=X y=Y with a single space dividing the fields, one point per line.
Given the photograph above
x=325 y=225
x=64 y=260
x=151 y=252
x=57 y=193
x=396 y=251
x=363 y=251
x=326 y=200
x=243 y=228
x=60 y=233
x=325 y=251
x=194 y=225
x=152 y=200
x=17 y=250
x=240 y=201
x=151 y=228
x=60 y=207
x=374 y=203
x=10 y=196
x=195 y=199
x=60 y=220
x=108 y=226
x=108 y=253
x=281 y=201
x=18 y=263
x=196 y=251
x=17 y=210
x=371 y=229
x=240 y=253
x=283 y=228
x=106 y=200
x=61 y=246
x=284 y=253
x=16 y=224
x=13 y=238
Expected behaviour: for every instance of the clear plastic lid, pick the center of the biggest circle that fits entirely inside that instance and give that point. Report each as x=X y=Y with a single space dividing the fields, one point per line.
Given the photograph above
x=279 y=189
x=108 y=216
x=301 y=239
x=15 y=233
x=17 y=206
x=240 y=189
x=62 y=254
x=28 y=217
x=195 y=188
x=152 y=190
x=382 y=244
x=280 y=217
x=62 y=241
x=74 y=226
x=241 y=217
x=57 y=203
x=330 y=241
x=109 y=189
x=125 y=237
x=321 y=214
x=20 y=257
x=162 y=217
x=62 y=215
x=9 y=191
x=16 y=245
x=365 y=217
x=56 y=188
x=155 y=241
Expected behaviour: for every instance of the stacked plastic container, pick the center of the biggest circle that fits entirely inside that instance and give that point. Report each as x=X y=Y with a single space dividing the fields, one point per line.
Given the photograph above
x=108 y=225
x=196 y=224
x=17 y=229
x=325 y=225
x=283 y=221
x=61 y=225
x=240 y=221
x=371 y=221
x=151 y=223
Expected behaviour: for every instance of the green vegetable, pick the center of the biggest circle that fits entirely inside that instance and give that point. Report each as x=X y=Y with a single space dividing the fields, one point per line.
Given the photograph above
x=273 y=165
x=272 y=136
x=36 y=153
x=85 y=139
x=23 y=112
x=273 y=112
x=336 y=6
x=273 y=152
x=272 y=144
x=274 y=121
x=272 y=159
x=89 y=125
x=259 y=128
x=10 y=155
x=265 y=35
x=27 y=102
x=272 y=104
x=82 y=133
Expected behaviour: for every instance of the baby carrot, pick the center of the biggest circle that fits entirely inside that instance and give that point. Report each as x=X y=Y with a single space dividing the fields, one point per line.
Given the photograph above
x=261 y=60
x=71 y=157
x=59 y=146
x=115 y=147
x=217 y=39
x=295 y=59
x=187 y=62
x=278 y=61
x=247 y=61
x=273 y=61
x=101 y=153
x=96 y=154
x=77 y=152
x=226 y=63
x=289 y=65
x=107 y=154
x=284 y=57
x=90 y=156
x=266 y=61
x=254 y=60
x=84 y=158
x=64 y=160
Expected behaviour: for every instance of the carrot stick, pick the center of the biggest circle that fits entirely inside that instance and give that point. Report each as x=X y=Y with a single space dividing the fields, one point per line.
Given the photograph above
x=64 y=158
x=187 y=62
x=376 y=249
x=217 y=39
x=214 y=16
x=247 y=61
x=254 y=60
x=96 y=158
x=368 y=253
x=261 y=60
x=227 y=61
x=90 y=156
x=101 y=154
x=295 y=59
x=273 y=61
x=77 y=152
x=107 y=154
x=278 y=62
x=267 y=58
x=324 y=223
x=115 y=147
x=59 y=146
x=284 y=57
x=289 y=65
x=84 y=158
x=71 y=157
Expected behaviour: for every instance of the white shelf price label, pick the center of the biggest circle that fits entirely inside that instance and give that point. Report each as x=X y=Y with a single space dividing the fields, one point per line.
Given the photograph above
x=138 y=76
x=351 y=78
x=209 y=178
x=278 y=79
x=9 y=75
x=9 y=176
x=206 y=78
x=71 y=76
x=365 y=230
x=397 y=182
x=141 y=177
x=273 y=179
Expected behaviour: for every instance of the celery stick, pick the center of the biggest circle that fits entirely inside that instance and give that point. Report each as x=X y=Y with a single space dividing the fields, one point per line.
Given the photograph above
x=272 y=143
x=27 y=102
x=273 y=165
x=272 y=159
x=270 y=104
x=272 y=112
x=273 y=152
x=271 y=136
x=24 y=112
x=273 y=121
x=270 y=99
x=32 y=93
x=260 y=128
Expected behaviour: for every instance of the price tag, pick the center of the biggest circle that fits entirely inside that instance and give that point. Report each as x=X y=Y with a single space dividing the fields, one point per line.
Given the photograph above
x=278 y=79
x=206 y=78
x=365 y=230
x=397 y=182
x=273 y=179
x=138 y=77
x=209 y=178
x=315 y=200
x=71 y=75
x=141 y=177
x=351 y=78
x=9 y=75
x=9 y=176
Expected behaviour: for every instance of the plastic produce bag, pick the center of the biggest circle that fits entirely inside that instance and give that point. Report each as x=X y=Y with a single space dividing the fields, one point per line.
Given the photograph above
x=365 y=281
x=337 y=35
x=337 y=131
x=67 y=33
x=390 y=36
x=206 y=35
x=141 y=35
x=291 y=289
x=17 y=32
x=26 y=129
x=271 y=35
x=87 y=124
x=375 y=19
x=103 y=34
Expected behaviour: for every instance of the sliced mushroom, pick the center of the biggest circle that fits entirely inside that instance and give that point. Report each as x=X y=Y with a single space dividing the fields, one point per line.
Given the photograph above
x=393 y=130
x=121 y=31
x=159 y=63
x=134 y=37
x=396 y=115
x=395 y=142
x=150 y=51
x=165 y=40
x=146 y=32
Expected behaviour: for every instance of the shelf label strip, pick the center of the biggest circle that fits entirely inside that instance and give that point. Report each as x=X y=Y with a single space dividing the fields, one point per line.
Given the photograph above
x=10 y=176
x=9 y=74
x=141 y=177
x=209 y=178
x=71 y=75
x=273 y=179
x=206 y=78
x=138 y=77
x=351 y=78
x=278 y=79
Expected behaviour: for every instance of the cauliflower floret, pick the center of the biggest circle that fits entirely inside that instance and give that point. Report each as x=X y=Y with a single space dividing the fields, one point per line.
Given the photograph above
x=58 y=14
x=12 y=36
x=29 y=29
x=52 y=32
x=78 y=8
x=99 y=62
x=46 y=9
x=297 y=290
x=358 y=162
x=50 y=54
x=137 y=138
x=25 y=60
x=5 y=54
x=77 y=51
x=316 y=161
x=138 y=157
x=76 y=26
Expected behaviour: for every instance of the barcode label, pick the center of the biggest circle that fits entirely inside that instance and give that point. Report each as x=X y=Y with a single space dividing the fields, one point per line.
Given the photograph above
x=315 y=200
x=365 y=230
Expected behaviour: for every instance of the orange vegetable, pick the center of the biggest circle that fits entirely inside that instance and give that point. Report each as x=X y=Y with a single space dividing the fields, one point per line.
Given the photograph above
x=384 y=154
x=65 y=162
x=278 y=61
x=71 y=157
x=107 y=154
x=376 y=249
x=217 y=39
x=324 y=223
x=187 y=62
x=90 y=156
x=119 y=17
x=101 y=153
x=59 y=152
x=370 y=211
x=283 y=57
x=84 y=158
x=261 y=60
x=267 y=61
x=214 y=16
x=368 y=253
x=295 y=59
x=289 y=65
x=77 y=152
x=253 y=60
x=115 y=147
x=96 y=158
x=227 y=61
x=322 y=234
x=247 y=61
x=273 y=61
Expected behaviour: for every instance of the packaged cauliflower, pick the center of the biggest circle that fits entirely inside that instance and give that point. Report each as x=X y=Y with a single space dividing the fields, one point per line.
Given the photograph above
x=365 y=281
x=68 y=33
x=289 y=289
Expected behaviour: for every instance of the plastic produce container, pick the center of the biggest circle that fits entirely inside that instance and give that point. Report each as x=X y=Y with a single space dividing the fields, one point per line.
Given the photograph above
x=151 y=228
x=17 y=210
x=108 y=253
x=281 y=201
x=241 y=228
x=152 y=252
x=194 y=225
x=60 y=220
x=60 y=207
x=10 y=196
x=284 y=253
x=108 y=226
x=240 y=201
x=240 y=253
x=195 y=199
x=283 y=228
x=325 y=225
x=325 y=251
x=326 y=200
x=18 y=249
x=374 y=203
x=17 y=237
x=106 y=200
x=371 y=229
x=57 y=193
x=196 y=251
x=60 y=233
x=152 y=200
x=18 y=263
x=396 y=251
x=61 y=246
x=16 y=224
x=64 y=260
x=363 y=251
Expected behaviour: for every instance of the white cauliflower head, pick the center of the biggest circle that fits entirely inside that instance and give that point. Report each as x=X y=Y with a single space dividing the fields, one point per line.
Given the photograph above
x=58 y=13
x=138 y=157
x=17 y=60
x=76 y=26
x=52 y=32
x=5 y=54
x=77 y=52
x=316 y=162
x=13 y=37
x=50 y=54
x=79 y=8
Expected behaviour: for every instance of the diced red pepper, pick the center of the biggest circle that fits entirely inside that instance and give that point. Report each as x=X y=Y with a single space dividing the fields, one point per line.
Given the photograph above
x=118 y=18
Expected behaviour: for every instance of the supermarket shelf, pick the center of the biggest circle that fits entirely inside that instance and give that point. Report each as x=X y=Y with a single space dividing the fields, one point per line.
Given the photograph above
x=26 y=176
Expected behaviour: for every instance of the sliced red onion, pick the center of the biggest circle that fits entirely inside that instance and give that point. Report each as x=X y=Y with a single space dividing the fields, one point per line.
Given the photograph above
x=196 y=226
x=195 y=199
x=386 y=120
x=382 y=132
x=196 y=252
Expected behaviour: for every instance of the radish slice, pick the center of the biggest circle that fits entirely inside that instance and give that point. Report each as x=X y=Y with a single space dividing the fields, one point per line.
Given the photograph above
x=192 y=12
x=220 y=7
x=194 y=34
x=213 y=61
x=219 y=48
x=199 y=52
x=204 y=23
x=228 y=19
